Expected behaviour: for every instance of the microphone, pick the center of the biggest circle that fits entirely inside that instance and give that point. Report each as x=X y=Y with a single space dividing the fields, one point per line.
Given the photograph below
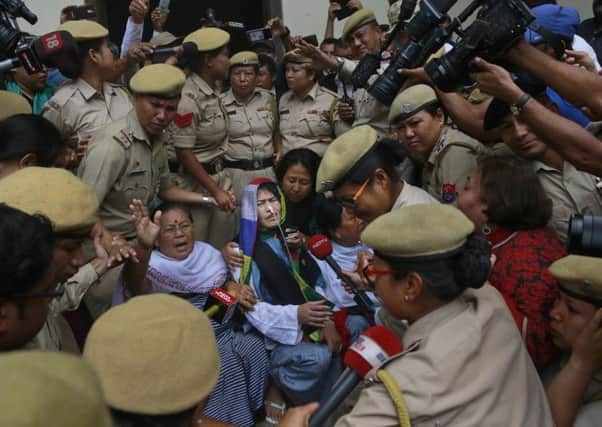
x=370 y=351
x=187 y=49
x=321 y=247
x=220 y=305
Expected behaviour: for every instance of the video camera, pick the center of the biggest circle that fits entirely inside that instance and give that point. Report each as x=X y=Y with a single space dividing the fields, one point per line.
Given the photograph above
x=10 y=34
x=585 y=235
x=499 y=25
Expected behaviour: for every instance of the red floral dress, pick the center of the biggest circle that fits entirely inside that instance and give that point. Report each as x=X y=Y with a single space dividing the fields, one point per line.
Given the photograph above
x=521 y=275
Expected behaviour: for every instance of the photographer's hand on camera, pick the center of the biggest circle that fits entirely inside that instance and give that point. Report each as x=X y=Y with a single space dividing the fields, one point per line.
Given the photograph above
x=495 y=80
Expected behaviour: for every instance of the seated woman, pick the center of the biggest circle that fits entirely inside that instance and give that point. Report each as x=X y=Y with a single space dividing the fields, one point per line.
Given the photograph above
x=290 y=313
x=343 y=228
x=506 y=203
x=464 y=362
x=179 y=265
x=575 y=393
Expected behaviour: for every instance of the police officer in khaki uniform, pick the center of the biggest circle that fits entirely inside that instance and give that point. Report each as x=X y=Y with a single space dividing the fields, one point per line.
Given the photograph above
x=88 y=101
x=447 y=156
x=140 y=379
x=572 y=191
x=252 y=124
x=127 y=160
x=72 y=207
x=60 y=389
x=308 y=113
x=200 y=137
x=575 y=392
x=430 y=269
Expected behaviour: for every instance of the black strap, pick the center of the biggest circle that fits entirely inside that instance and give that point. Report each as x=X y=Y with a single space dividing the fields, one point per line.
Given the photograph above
x=249 y=165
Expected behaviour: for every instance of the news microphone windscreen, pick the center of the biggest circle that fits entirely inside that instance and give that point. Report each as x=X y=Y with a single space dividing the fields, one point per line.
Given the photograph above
x=372 y=349
x=52 y=47
x=319 y=246
x=189 y=49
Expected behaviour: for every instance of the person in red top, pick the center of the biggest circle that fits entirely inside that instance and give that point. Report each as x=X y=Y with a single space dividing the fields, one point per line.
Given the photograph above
x=506 y=202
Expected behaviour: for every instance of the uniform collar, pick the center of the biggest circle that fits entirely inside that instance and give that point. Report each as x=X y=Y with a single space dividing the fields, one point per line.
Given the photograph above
x=89 y=92
x=423 y=327
x=230 y=99
x=313 y=93
x=541 y=166
x=202 y=84
x=135 y=129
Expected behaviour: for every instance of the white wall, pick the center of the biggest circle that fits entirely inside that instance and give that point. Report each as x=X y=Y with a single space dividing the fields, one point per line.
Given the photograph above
x=304 y=17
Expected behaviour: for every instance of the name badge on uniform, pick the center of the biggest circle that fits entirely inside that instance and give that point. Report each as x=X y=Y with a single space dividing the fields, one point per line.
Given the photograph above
x=283 y=112
x=448 y=193
x=232 y=113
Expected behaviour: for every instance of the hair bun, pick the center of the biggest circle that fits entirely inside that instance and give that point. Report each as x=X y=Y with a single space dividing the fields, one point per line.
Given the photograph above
x=474 y=263
x=395 y=148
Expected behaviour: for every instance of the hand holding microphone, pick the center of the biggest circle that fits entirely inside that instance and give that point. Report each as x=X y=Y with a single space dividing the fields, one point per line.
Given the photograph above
x=370 y=351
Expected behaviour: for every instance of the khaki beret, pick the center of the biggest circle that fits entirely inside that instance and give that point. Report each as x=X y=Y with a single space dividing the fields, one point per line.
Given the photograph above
x=84 y=30
x=69 y=203
x=357 y=20
x=158 y=79
x=50 y=389
x=411 y=101
x=12 y=104
x=208 y=39
x=155 y=354
x=580 y=277
x=342 y=154
x=418 y=231
x=166 y=39
x=296 y=58
x=245 y=57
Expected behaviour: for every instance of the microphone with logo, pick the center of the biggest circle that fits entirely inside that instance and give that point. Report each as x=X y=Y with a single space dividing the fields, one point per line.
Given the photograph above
x=321 y=247
x=220 y=305
x=370 y=351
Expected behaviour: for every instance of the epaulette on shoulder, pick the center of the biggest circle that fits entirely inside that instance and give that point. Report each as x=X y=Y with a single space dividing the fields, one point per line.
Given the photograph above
x=124 y=138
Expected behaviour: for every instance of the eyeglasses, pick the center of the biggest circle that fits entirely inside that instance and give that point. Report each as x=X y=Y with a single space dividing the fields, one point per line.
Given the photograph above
x=172 y=229
x=350 y=202
x=371 y=274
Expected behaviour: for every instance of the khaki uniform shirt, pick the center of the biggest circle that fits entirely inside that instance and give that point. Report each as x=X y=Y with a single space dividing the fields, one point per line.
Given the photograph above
x=251 y=126
x=572 y=192
x=77 y=110
x=56 y=334
x=312 y=122
x=465 y=365
x=201 y=123
x=368 y=111
x=122 y=164
x=452 y=160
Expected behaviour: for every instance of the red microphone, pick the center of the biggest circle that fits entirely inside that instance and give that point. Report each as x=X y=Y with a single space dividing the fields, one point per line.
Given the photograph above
x=321 y=247
x=370 y=351
x=220 y=305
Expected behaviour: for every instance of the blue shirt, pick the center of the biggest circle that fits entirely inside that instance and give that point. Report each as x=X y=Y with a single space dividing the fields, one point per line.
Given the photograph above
x=568 y=110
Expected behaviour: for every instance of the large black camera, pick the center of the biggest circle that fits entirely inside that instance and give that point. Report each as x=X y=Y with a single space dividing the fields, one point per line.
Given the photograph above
x=10 y=34
x=498 y=26
x=426 y=35
x=585 y=235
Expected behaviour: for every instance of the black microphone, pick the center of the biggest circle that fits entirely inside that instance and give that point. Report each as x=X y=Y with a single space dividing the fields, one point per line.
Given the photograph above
x=370 y=351
x=321 y=248
x=186 y=49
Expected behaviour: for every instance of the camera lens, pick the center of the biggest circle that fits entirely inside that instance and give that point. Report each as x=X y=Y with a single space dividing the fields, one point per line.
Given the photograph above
x=585 y=235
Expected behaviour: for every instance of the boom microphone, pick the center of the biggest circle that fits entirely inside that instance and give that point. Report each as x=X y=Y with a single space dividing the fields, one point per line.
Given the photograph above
x=321 y=247
x=370 y=351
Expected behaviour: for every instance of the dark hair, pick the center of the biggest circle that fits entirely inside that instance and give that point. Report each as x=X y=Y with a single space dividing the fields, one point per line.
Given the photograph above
x=28 y=133
x=268 y=62
x=386 y=155
x=272 y=187
x=199 y=59
x=26 y=250
x=129 y=419
x=329 y=40
x=300 y=156
x=329 y=215
x=513 y=194
x=447 y=278
x=433 y=107
x=172 y=206
x=74 y=69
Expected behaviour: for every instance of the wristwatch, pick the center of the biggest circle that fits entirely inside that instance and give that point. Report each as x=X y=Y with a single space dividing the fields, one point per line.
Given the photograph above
x=517 y=107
